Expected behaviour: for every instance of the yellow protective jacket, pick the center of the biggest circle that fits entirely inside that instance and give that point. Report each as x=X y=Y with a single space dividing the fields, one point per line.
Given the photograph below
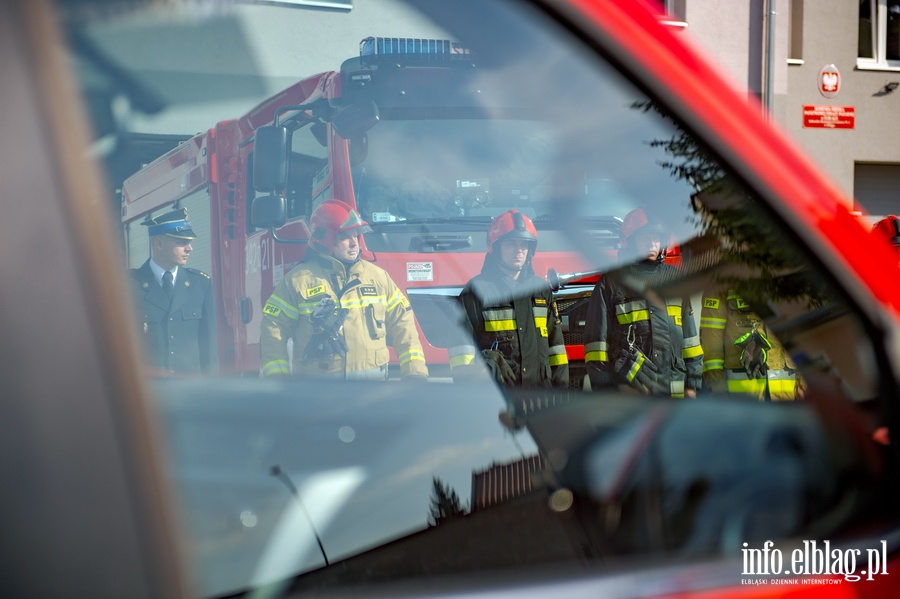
x=377 y=312
x=724 y=319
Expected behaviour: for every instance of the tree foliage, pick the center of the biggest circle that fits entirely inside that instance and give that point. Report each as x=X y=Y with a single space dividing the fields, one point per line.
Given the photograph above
x=445 y=503
x=738 y=230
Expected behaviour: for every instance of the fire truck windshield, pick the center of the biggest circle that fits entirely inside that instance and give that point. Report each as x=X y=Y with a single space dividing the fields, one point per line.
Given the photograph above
x=451 y=168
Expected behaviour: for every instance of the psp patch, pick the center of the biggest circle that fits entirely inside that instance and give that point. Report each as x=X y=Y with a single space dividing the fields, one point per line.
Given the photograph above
x=315 y=290
x=368 y=290
x=539 y=301
x=711 y=303
x=272 y=309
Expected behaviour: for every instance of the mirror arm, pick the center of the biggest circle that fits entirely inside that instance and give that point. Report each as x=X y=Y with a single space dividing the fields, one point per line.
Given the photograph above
x=316 y=107
x=282 y=240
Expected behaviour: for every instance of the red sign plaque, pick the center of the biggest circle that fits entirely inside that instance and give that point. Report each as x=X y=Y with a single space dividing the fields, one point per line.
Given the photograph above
x=829 y=117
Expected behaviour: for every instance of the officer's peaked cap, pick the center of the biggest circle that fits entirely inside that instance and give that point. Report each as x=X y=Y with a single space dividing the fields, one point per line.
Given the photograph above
x=173 y=224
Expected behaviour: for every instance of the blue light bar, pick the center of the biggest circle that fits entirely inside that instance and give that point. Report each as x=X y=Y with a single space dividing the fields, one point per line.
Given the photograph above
x=374 y=46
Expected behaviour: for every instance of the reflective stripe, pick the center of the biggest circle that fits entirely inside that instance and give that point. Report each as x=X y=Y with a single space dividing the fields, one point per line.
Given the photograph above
x=712 y=323
x=493 y=326
x=636 y=367
x=781 y=375
x=498 y=314
x=558 y=355
x=717 y=364
x=782 y=383
x=558 y=360
x=354 y=303
x=673 y=309
x=739 y=303
x=276 y=367
x=461 y=355
x=411 y=355
x=378 y=373
x=395 y=300
x=631 y=312
x=748 y=386
x=676 y=388
x=499 y=319
x=596 y=351
x=461 y=360
x=692 y=347
x=737 y=374
x=540 y=319
x=289 y=310
x=541 y=325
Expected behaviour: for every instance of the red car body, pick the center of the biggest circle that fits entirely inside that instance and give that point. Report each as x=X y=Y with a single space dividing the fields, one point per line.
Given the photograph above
x=90 y=506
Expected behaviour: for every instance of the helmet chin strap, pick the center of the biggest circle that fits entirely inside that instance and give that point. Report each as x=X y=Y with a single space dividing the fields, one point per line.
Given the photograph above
x=510 y=270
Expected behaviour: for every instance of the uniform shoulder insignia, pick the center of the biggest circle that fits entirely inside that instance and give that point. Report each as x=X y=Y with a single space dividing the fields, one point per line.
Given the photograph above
x=196 y=272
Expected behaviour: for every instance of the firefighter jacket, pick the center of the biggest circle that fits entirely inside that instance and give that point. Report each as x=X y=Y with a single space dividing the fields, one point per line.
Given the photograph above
x=377 y=314
x=725 y=319
x=516 y=318
x=620 y=318
x=179 y=334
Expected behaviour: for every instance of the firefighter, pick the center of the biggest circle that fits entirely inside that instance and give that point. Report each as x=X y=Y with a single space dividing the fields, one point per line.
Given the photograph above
x=740 y=354
x=175 y=302
x=511 y=314
x=340 y=311
x=888 y=229
x=633 y=340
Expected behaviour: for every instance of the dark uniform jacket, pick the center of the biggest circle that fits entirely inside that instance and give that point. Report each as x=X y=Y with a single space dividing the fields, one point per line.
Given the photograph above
x=178 y=337
x=667 y=335
x=517 y=318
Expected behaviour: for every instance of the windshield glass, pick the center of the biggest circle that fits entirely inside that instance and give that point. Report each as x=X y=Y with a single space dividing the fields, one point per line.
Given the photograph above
x=455 y=167
x=464 y=338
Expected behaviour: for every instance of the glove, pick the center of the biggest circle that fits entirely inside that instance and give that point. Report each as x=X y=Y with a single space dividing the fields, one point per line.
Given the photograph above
x=754 y=353
x=640 y=372
x=499 y=367
x=328 y=340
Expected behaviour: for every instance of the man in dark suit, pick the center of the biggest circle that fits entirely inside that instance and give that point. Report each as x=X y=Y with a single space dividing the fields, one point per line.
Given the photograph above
x=175 y=303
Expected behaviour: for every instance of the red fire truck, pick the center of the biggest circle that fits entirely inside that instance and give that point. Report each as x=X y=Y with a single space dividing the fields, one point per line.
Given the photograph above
x=391 y=133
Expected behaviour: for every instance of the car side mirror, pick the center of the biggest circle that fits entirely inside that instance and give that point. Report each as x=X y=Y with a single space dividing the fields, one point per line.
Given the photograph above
x=270 y=159
x=356 y=119
x=268 y=212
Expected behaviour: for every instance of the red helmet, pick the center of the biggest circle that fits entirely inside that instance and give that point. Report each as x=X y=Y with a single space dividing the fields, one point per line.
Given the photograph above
x=638 y=221
x=888 y=228
x=330 y=218
x=512 y=225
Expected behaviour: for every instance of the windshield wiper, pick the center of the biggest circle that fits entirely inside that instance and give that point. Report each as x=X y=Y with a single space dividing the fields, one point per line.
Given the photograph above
x=465 y=220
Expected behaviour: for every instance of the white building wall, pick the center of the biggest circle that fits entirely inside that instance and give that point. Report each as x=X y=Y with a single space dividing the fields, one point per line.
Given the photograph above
x=731 y=30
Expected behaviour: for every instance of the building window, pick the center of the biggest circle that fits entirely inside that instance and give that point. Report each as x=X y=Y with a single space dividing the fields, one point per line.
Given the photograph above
x=675 y=9
x=875 y=189
x=879 y=33
x=795 y=43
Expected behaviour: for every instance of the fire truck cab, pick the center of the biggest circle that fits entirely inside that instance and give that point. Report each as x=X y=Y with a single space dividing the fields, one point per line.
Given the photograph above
x=402 y=133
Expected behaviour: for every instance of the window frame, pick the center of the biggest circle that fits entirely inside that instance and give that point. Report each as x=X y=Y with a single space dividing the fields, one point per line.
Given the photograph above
x=879 y=60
